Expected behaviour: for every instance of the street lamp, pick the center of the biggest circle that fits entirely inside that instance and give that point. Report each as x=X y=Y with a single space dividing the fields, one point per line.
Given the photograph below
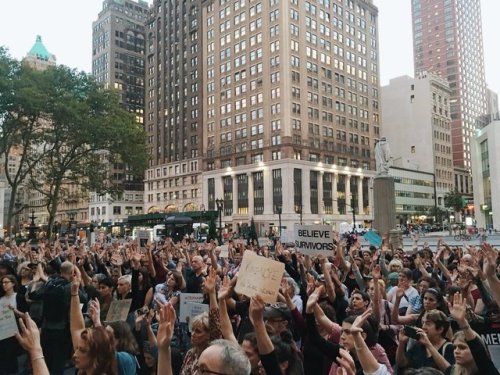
x=220 y=206
x=353 y=214
x=278 y=210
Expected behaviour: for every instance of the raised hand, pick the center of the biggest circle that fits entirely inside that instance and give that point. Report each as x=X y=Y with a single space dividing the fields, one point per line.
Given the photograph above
x=29 y=337
x=458 y=309
x=76 y=280
x=346 y=363
x=166 y=327
x=210 y=281
x=225 y=289
x=490 y=256
x=256 y=311
x=95 y=312
x=357 y=325
x=313 y=299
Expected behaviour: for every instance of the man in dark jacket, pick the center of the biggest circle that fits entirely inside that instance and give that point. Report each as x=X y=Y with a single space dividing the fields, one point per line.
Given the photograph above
x=56 y=335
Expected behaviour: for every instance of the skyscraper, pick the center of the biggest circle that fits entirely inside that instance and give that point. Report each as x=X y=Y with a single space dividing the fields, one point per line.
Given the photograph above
x=174 y=106
x=447 y=40
x=291 y=110
x=118 y=60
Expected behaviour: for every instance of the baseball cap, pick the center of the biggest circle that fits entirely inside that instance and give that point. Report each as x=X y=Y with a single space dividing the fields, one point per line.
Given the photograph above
x=278 y=311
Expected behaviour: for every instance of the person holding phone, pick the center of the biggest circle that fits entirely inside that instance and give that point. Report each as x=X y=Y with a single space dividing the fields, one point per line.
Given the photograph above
x=431 y=349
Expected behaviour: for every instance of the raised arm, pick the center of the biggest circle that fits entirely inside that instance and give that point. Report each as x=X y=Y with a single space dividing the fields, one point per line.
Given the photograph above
x=225 y=322
x=77 y=323
x=164 y=338
x=330 y=288
x=489 y=269
x=368 y=361
x=29 y=339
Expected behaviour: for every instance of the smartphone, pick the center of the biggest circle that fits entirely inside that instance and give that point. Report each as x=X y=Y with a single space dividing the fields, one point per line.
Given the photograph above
x=411 y=332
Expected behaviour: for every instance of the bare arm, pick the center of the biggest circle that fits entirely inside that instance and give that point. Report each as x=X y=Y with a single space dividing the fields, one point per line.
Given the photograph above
x=330 y=289
x=225 y=322
x=77 y=324
x=29 y=338
x=264 y=343
x=164 y=337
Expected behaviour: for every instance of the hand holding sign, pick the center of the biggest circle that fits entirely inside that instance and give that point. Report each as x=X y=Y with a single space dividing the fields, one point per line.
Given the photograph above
x=259 y=275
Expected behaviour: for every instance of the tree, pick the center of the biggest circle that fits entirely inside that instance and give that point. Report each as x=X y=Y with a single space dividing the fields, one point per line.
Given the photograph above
x=212 y=230
x=454 y=200
x=22 y=124
x=252 y=233
x=438 y=213
x=87 y=132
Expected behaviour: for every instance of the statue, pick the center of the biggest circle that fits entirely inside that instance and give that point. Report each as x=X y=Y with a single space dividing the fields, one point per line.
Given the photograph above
x=382 y=157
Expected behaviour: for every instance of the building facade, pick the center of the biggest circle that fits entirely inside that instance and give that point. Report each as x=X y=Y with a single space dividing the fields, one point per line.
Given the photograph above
x=174 y=106
x=416 y=120
x=118 y=62
x=486 y=175
x=447 y=40
x=415 y=194
x=291 y=90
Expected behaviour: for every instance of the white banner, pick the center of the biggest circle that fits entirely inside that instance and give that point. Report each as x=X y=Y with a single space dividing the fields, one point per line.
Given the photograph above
x=314 y=239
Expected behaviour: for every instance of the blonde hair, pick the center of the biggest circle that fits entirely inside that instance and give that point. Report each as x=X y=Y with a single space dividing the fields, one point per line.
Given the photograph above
x=396 y=262
x=201 y=321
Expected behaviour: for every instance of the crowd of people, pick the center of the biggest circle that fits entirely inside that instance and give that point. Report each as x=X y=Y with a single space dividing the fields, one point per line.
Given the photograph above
x=356 y=310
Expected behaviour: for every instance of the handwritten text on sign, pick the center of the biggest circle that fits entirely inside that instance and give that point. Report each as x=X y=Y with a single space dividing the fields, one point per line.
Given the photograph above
x=259 y=275
x=314 y=239
x=8 y=326
x=118 y=310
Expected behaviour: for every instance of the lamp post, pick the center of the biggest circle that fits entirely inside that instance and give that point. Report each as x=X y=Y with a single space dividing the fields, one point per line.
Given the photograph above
x=353 y=214
x=278 y=210
x=220 y=206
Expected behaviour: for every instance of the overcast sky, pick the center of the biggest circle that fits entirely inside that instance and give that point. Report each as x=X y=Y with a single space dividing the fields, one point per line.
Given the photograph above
x=66 y=30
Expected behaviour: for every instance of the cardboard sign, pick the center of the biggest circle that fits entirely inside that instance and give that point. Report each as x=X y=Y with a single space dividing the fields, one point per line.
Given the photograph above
x=314 y=239
x=287 y=236
x=259 y=275
x=194 y=309
x=183 y=303
x=224 y=251
x=373 y=238
x=118 y=310
x=8 y=325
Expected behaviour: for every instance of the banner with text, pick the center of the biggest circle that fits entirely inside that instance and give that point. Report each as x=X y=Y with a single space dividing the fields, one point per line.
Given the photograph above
x=259 y=275
x=314 y=239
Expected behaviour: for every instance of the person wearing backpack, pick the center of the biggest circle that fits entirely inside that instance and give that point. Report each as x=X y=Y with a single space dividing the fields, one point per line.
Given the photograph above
x=56 y=297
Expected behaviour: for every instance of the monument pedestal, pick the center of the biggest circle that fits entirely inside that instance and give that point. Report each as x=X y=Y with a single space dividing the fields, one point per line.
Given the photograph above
x=384 y=209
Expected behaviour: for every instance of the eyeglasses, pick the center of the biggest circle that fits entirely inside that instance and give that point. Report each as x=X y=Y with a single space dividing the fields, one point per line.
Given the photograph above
x=6 y=282
x=198 y=370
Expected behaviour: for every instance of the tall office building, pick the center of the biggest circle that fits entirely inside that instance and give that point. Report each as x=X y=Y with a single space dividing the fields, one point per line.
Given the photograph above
x=118 y=62
x=417 y=123
x=291 y=110
x=174 y=106
x=447 y=40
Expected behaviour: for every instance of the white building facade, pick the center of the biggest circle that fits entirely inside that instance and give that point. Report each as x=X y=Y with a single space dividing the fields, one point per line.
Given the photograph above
x=416 y=120
x=486 y=176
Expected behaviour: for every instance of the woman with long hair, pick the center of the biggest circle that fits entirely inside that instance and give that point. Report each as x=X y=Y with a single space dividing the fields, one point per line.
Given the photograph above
x=94 y=347
x=10 y=299
x=471 y=355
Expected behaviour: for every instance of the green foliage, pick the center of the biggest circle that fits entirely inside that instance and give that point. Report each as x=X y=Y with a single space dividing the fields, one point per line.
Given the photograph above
x=252 y=233
x=212 y=230
x=454 y=200
x=70 y=130
x=438 y=213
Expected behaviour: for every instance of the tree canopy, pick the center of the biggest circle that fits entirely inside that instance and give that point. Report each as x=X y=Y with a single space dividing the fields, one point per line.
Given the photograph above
x=454 y=200
x=68 y=129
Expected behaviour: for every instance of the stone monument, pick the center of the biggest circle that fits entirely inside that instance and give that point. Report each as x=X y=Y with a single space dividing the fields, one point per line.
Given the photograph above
x=384 y=197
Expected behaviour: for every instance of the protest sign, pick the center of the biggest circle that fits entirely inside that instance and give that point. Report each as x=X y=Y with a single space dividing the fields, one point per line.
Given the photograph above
x=287 y=236
x=259 y=275
x=490 y=333
x=186 y=298
x=194 y=309
x=314 y=239
x=224 y=251
x=118 y=310
x=8 y=326
x=373 y=238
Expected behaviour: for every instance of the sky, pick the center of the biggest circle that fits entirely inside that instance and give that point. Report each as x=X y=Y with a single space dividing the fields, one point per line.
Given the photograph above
x=66 y=30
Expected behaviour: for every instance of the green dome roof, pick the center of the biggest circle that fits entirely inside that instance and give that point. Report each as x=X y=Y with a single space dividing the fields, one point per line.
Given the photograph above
x=38 y=50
